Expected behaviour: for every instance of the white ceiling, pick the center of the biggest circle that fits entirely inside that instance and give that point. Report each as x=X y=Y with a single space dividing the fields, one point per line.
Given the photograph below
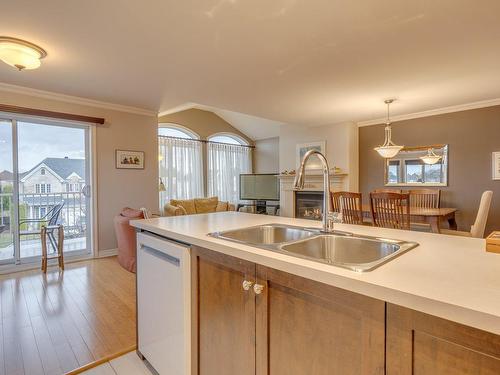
x=291 y=61
x=252 y=126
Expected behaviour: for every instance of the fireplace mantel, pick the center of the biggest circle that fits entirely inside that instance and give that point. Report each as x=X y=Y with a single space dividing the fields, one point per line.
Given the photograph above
x=313 y=181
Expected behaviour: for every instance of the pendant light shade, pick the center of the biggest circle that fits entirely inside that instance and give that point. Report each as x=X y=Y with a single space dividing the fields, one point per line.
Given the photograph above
x=431 y=157
x=388 y=149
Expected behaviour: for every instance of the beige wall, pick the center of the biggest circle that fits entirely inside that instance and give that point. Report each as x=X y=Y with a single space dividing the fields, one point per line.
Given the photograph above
x=341 y=147
x=471 y=135
x=267 y=155
x=203 y=123
x=116 y=188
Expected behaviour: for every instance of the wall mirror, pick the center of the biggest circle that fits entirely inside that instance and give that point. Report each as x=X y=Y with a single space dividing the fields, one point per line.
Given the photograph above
x=418 y=166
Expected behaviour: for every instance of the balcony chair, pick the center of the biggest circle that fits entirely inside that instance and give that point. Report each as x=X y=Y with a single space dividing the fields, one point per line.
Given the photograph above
x=50 y=220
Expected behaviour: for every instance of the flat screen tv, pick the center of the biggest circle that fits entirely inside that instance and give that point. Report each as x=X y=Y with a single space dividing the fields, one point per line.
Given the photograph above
x=259 y=187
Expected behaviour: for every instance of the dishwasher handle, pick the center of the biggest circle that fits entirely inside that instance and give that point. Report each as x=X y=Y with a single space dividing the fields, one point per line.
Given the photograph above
x=161 y=255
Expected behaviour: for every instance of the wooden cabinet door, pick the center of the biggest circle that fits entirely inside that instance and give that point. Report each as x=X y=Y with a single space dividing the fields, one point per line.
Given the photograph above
x=223 y=338
x=306 y=327
x=421 y=344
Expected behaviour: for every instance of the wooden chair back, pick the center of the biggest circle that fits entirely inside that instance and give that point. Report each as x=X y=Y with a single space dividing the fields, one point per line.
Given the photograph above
x=349 y=205
x=384 y=190
x=390 y=210
x=425 y=198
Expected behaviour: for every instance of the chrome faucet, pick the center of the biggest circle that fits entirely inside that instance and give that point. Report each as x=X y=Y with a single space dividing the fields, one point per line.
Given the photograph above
x=299 y=185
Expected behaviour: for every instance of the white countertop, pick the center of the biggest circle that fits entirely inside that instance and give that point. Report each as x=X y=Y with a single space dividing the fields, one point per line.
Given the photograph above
x=448 y=276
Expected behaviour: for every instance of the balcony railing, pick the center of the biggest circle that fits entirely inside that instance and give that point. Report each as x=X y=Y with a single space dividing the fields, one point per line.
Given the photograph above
x=36 y=205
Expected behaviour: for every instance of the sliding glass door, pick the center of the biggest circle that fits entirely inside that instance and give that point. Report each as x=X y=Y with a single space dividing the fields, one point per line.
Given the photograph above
x=50 y=170
x=7 y=199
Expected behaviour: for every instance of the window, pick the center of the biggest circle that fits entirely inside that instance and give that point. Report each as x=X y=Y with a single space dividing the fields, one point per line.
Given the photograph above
x=228 y=157
x=408 y=168
x=42 y=171
x=43 y=188
x=393 y=172
x=180 y=163
x=229 y=139
x=176 y=131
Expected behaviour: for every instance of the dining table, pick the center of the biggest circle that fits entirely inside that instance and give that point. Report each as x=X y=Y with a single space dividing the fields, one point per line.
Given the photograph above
x=432 y=216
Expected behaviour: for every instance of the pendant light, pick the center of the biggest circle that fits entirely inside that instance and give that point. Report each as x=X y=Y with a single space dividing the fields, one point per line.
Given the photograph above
x=20 y=54
x=431 y=157
x=388 y=149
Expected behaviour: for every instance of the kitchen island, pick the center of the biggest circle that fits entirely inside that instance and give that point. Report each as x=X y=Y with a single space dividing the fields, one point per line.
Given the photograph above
x=437 y=303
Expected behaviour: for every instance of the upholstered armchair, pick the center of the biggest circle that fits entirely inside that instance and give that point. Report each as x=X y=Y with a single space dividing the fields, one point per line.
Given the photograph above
x=125 y=237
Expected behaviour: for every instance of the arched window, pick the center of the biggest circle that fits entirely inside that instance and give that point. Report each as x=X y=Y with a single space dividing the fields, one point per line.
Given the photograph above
x=176 y=131
x=228 y=138
x=229 y=155
x=180 y=163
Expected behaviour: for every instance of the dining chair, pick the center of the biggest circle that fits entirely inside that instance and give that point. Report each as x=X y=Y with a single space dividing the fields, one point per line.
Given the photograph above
x=349 y=205
x=425 y=198
x=477 y=229
x=387 y=190
x=390 y=210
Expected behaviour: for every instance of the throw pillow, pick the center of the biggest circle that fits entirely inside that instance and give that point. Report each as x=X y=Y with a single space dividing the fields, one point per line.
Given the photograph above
x=205 y=205
x=187 y=204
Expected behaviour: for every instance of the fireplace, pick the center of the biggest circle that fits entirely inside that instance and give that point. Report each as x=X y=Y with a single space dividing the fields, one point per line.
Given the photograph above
x=309 y=205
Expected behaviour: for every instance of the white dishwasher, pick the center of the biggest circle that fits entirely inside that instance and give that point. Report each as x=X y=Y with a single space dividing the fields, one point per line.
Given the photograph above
x=164 y=304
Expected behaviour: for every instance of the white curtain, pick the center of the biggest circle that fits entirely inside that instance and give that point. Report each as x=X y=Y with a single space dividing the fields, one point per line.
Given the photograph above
x=181 y=169
x=225 y=164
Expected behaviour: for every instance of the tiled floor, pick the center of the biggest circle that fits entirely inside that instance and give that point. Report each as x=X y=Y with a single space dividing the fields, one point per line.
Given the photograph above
x=128 y=364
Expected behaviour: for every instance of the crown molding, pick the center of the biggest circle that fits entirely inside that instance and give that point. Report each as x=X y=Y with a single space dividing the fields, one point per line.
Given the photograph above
x=75 y=99
x=434 y=112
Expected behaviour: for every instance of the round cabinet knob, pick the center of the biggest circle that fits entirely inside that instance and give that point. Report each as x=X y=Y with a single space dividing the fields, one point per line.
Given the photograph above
x=257 y=288
x=247 y=284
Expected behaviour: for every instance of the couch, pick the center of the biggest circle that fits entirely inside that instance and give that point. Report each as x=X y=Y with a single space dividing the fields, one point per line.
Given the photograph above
x=178 y=207
x=125 y=236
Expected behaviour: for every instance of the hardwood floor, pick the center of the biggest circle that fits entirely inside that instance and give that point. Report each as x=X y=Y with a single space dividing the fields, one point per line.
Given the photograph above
x=55 y=323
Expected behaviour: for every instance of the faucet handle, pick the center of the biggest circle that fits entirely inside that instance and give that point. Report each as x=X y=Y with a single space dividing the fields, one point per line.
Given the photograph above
x=333 y=218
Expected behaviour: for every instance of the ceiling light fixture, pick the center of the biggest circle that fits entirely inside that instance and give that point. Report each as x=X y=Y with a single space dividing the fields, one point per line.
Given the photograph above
x=388 y=149
x=431 y=157
x=20 y=54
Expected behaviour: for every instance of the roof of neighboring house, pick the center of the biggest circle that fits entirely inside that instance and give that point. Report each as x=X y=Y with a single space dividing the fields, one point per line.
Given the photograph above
x=6 y=176
x=64 y=167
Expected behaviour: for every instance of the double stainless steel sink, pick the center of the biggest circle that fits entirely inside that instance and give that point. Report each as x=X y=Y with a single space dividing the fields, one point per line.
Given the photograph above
x=355 y=252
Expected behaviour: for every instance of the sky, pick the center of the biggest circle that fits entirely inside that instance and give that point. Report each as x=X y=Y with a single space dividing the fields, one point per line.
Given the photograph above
x=37 y=142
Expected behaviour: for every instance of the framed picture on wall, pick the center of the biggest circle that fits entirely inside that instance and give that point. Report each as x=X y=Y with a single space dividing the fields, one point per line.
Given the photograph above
x=127 y=159
x=313 y=162
x=496 y=165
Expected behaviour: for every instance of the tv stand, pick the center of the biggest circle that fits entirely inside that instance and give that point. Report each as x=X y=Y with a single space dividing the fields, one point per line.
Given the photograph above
x=260 y=207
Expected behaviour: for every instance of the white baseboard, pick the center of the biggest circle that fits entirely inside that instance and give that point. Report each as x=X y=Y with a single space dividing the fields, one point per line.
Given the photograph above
x=107 y=253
